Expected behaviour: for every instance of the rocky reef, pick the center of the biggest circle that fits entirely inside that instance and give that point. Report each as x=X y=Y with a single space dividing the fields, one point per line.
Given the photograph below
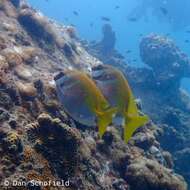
x=41 y=146
x=168 y=71
x=158 y=88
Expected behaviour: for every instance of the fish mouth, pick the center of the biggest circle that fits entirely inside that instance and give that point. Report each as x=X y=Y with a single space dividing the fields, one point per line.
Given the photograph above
x=59 y=75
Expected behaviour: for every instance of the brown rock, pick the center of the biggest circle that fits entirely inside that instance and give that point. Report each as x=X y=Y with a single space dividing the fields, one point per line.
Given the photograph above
x=23 y=73
x=12 y=56
x=28 y=53
x=26 y=90
x=145 y=174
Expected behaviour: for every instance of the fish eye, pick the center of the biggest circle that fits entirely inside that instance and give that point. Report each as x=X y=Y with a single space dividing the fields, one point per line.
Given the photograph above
x=98 y=68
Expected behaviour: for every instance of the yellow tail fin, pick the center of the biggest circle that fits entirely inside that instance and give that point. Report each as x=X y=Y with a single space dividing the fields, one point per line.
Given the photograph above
x=132 y=124
x=132 y=107
x=104 y=119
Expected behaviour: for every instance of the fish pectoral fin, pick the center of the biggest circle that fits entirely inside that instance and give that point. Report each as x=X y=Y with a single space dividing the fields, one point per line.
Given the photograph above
x=104 y=119
x=132 y=123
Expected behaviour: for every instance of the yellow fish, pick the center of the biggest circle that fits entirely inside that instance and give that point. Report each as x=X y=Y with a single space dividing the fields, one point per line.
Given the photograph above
x=116 y=90
x=83 y=100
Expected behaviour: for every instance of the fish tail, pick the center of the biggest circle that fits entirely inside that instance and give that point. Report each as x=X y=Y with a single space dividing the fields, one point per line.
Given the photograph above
x=132 y=124
x=104 y=119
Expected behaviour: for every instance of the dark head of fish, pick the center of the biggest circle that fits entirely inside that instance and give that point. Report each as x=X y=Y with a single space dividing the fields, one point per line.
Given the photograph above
x=59 y=76
x=101 y=73
x=98 y=72
x=98 y=68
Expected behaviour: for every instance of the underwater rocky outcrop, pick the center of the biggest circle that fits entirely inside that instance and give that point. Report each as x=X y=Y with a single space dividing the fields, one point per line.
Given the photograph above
x=169 y=66
x=40 y=142
x=158 y=89
x=105 y=49
x=168 y=63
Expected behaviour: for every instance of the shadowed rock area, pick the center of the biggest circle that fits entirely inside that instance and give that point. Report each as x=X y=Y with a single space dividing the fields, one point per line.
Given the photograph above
x=39 y=141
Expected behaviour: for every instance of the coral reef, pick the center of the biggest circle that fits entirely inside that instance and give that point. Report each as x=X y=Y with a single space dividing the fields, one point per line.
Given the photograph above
x=166 y=104
x=169 y=64
x=39 y=27
x=58 y=143
x=105 y=49
x=39 y=141
x=108 y=41
x=151 y=176
x=169 y=68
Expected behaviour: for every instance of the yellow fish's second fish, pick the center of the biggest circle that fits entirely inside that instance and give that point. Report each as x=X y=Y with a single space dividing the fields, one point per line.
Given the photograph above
x=116 y=90
x=83 y=101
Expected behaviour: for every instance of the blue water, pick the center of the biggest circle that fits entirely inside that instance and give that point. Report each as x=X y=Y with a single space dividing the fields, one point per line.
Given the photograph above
x=127 y=32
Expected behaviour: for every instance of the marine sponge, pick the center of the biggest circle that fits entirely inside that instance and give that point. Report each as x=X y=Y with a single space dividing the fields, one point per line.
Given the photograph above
x=12 y=138
x=12 y=143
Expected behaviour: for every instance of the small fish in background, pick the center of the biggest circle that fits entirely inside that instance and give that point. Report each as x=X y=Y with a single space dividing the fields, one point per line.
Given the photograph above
x=105 y=19
x=83 y=101
x=75 y=13
x=168 y=34
x=132 y=19
x=116 y=90
x=91 y=24
x=128 y=51
x=163 y=10
x=66 y=19
x=73 y=25
x=117 y=7
x=186 y=41
x=188 y=31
